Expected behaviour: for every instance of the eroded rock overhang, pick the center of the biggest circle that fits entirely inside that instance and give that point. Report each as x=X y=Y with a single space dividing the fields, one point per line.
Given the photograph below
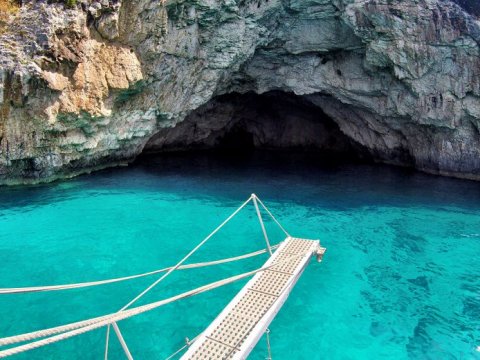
x=399 y=79
x=243 y=122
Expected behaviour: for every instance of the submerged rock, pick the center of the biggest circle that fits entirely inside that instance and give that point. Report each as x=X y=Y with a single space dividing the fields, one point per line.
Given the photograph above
x=89 y=87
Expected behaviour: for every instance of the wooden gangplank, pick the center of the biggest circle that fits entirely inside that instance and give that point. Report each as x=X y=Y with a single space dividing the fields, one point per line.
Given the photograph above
x=238 y=328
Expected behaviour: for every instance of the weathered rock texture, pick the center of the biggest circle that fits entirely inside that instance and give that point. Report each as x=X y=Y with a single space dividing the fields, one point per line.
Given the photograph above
x=89 y=87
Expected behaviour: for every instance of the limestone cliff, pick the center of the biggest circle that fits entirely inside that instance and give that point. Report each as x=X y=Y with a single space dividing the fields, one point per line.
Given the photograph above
x=95 y=85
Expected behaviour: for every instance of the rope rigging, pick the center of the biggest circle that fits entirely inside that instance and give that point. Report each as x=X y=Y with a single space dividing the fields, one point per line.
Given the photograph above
x=63 y=332
x=21 y=290
x=77 y=328
x=163 y=277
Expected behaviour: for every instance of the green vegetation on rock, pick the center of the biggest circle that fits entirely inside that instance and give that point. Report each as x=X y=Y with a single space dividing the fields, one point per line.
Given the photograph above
x=70 y=3
x=133 y=90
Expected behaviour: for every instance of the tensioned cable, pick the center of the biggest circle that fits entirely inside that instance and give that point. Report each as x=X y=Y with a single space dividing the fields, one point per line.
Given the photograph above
x=90 y=324
x=164 y=276
x=21 y=290
x=271 y=215
x=62 y=328
x=185 y=258
x=95 y=323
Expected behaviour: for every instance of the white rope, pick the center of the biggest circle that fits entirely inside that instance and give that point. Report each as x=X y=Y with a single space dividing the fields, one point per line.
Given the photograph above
x=81 y=327
x=18 y=290
x=156 y=282
x=254 y=198
x=273 y=217
x=163 y=277
x=114 y=280
x=68 y=327
x=172 y=269
x=101 y=321
x=62 y=328
x=121 y=315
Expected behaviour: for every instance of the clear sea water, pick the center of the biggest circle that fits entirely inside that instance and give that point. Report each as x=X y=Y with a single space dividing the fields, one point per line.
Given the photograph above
x=400 y=279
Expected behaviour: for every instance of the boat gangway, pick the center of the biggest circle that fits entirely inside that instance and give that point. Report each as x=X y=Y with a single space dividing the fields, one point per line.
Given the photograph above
x=234 y=332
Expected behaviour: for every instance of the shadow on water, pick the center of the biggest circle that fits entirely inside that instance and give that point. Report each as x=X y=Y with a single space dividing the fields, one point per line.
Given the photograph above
x=299 y=177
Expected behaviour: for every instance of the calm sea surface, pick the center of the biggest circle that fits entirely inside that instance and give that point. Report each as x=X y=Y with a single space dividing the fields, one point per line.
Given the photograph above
x=400 y=279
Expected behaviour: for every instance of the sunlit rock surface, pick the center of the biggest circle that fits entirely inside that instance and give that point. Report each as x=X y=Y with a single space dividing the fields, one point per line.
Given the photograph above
x=90 y=87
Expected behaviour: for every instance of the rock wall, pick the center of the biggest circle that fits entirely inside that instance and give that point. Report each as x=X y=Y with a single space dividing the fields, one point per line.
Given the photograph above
x=89 y=87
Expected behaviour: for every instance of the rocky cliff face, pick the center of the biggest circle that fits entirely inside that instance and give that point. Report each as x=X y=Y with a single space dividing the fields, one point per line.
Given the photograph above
x=94 y=86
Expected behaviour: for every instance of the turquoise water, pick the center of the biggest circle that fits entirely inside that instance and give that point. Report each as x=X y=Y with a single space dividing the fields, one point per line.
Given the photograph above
x=400 y=279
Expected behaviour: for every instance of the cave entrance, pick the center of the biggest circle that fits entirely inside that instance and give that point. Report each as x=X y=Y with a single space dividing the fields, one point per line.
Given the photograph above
x=236 y=139
x=244 y=122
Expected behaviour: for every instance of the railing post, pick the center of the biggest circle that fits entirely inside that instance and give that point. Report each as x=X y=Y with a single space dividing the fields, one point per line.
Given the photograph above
x=122 y=341
x=269 y=349
x=254 y=198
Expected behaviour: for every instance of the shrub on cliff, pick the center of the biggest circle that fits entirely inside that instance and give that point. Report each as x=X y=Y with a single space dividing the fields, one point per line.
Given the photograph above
x=70 y=3
x=67 y=3
x=7 y=8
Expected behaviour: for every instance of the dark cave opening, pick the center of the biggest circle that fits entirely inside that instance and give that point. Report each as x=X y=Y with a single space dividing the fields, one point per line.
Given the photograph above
x=241 y=123
x=237 y=138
